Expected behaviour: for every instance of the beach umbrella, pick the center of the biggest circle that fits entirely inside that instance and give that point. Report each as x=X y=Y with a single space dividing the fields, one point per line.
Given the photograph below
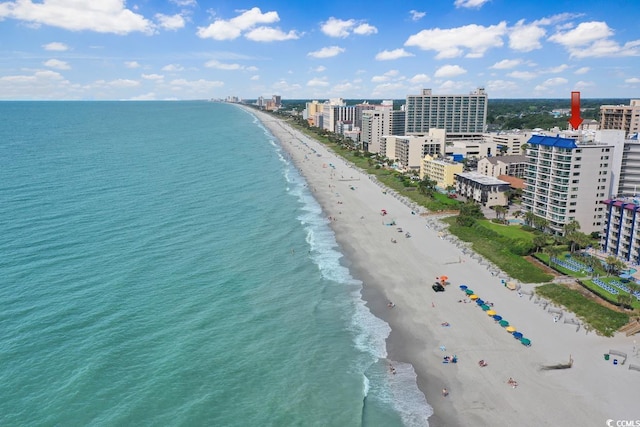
x=491 y=313
x=497 y=317
x=473 y=296
x=485 y=307
x=479 y=301
x=443 y=278
x=517 y=335
x=469 y=292
x=510 y=329
x=463 y=287
x=525 y=341
x=504 y=323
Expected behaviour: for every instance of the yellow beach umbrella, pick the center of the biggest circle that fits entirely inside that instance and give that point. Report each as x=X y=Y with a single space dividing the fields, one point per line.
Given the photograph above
x=473 y=297
x=491 y=313
x=510 y=329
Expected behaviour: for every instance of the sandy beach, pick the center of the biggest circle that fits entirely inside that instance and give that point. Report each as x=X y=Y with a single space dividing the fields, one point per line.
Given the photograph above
x=593 y=391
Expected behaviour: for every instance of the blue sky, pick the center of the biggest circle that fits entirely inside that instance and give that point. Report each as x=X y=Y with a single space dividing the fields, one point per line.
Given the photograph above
x=196 y=49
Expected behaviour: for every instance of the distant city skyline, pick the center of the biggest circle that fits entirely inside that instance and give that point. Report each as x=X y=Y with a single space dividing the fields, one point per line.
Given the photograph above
x=189 y=49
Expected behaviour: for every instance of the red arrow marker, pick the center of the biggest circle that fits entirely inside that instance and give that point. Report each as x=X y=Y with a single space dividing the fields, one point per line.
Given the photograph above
x=575 y=119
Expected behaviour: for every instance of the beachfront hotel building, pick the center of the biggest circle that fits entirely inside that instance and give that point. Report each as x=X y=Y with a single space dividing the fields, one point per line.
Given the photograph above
x=503 y=165
x=409 y=150
x=621 y=117
x=461 y=116
x=566 y=180
x=621 y=234
x=486 y=190
x=442 y=171
x=378 y=122
x=508 y=143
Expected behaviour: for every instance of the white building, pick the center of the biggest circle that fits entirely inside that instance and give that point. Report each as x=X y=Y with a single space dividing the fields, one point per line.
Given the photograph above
x=566 y=180
x=408 y=151
x=486 y=190
x=503 y=165
x=508 y=143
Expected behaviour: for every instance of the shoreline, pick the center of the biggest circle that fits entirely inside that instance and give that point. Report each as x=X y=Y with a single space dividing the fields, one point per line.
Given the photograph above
x=403 y=272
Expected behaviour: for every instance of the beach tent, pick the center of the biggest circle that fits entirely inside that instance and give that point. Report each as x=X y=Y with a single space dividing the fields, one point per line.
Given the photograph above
x=511 y=285
x=491 y=313
x=504 y=323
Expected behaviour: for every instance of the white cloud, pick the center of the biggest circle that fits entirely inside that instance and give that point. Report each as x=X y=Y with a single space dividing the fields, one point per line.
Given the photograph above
x=254 y=78
x=268 y=34
x=365 y=30
x=285 y=87
x=231 y=29
x=416 y=16
x=555 y=70
x=144 y=97
x=222 y=66
x=420 y=78
x=57 y=64
x=451 y=43
x=470 y=3
x=593 y=39
x=388 y=55
x=549 y=83
x=501 y=86
x=506 y=64
x=632 y=80
x=449 y=71
x=55 y=46
x=320 y=69
x=173 y=68
x=523 y=75
x=173 y=22
x=42 y=84
x=326 y=52
x=105 y=16
x=387 y=88
x=583 y=85
x=525 y=37
x=318 y=82
x=582 y=70
x=132 y=64
x=155 y=77
x=335 y=27
x=117 y=83
x=451 y=86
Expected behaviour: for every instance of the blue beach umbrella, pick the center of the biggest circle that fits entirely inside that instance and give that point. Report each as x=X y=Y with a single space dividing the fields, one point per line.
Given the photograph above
x=463 y=287
x=497 y=317
x=479 y=301
x=517 y=335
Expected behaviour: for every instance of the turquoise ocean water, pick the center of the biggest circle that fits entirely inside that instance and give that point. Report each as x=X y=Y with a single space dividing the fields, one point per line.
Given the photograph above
x=162 y=263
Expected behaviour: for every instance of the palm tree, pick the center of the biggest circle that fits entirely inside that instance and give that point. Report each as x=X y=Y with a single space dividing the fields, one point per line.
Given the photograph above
x=529 y=217
x=553 y=252
x=613 y=264
x=539 y=240
x=540 y=223
x=500 y=211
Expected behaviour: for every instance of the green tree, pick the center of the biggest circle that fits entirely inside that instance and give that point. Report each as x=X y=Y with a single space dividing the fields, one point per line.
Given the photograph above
x=427 y=186
x=553 y=252
x=539 y=240
x=469 y=213
x=529 y=217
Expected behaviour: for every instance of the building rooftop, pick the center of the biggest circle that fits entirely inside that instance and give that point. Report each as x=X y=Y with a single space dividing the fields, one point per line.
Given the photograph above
x=482 y=179
x=507 y=159
x=553 y=141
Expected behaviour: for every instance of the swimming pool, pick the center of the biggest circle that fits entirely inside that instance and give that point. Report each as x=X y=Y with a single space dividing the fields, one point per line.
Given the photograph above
x=516 y=221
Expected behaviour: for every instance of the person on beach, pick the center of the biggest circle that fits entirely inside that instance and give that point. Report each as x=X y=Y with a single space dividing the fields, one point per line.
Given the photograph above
x=445 y=392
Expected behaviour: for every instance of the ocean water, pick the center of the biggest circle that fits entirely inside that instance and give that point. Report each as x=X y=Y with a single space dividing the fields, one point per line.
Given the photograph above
x=163 y=263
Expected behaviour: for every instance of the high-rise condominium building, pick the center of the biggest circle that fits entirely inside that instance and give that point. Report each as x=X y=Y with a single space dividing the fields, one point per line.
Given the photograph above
x=621 y=117
x=566 y=180
x=459 y=115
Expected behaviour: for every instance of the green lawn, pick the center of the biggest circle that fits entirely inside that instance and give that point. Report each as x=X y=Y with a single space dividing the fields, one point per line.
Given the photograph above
x=604 y=320
x=510 y=231
x=497 y=252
